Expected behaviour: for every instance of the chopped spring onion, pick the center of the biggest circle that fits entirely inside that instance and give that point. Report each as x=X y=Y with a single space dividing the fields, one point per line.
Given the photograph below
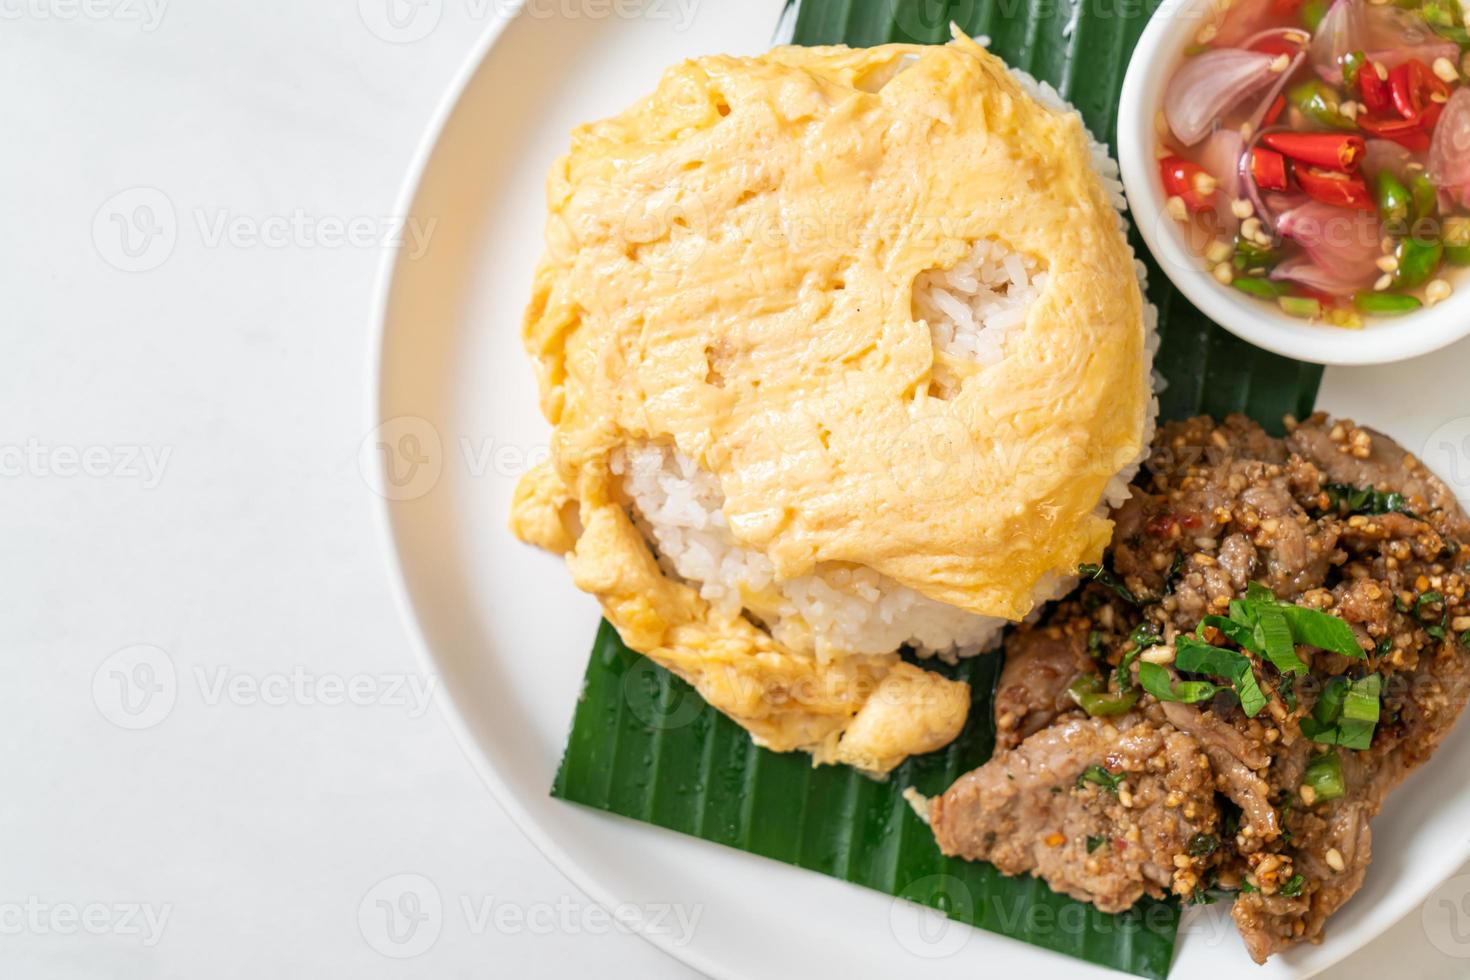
x=1293 y=886
x=1304 y=307
x=1346 y=714
x=1091 y=694
x=1093 y=843
x=1324 y=775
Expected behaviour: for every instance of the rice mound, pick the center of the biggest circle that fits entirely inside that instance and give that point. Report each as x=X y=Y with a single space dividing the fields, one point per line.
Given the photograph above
x=969 y=308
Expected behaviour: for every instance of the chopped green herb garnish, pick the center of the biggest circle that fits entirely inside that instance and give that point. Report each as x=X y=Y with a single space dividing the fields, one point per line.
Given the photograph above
x=1293 y=886
x=1198 y=657
x=1201 y=897
x=1099 y=776
x=1203 y=845
x=1246 y=887
x=1427 y=599
x=1145 y=635
x=1288 y=695
x=1157 y=681
x=1100 y=574
x=1093 y=843
x=1347 y=499
x=1095 y=644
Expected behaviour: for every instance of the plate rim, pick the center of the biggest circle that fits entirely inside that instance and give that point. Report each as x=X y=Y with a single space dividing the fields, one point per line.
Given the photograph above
x=448 y=707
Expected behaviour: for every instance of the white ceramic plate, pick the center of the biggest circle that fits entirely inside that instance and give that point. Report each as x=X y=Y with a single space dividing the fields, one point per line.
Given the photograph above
x=503 y=627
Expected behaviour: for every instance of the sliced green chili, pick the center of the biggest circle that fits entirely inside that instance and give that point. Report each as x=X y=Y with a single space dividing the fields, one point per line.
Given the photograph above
x=1386 y=304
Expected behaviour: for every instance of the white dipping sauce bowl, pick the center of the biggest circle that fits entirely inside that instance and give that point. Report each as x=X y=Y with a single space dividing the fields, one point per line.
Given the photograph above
x=1382 y=339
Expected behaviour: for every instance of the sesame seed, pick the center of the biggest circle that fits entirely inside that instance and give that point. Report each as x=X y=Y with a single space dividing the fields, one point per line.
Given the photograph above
x=1307 y=793
x=1279 y=64
x=1445 y=69
x=1380 y=70
x=1334 y=859
x=1177 y=210
x=1384 y=281
x=1349 y=109
x=1388 y=263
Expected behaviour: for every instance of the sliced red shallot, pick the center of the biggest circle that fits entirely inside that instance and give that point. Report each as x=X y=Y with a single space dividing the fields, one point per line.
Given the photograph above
x=1210 y=85
x=1388 y=35
x=1259 y=115
x=1342 y=247
x=1449 y=154
x=1221 y=157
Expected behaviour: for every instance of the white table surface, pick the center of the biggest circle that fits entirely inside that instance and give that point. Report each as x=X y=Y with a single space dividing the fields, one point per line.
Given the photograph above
x=179 y=473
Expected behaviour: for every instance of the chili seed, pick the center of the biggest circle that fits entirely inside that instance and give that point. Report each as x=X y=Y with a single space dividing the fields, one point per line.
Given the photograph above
x=1437 y=291
x=1177 y=210
x=1242 y=209
x=1445 y=69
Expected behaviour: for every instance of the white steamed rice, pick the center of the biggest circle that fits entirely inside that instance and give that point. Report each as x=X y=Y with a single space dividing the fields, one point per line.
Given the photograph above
x=970 y=308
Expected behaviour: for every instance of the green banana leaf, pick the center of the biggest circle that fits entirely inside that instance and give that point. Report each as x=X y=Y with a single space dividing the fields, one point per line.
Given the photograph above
x=644 y=745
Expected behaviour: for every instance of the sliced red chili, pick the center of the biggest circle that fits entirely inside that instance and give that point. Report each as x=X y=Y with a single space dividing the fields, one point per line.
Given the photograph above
x=1188 y=181
x=1268 y=168
x=1335 y=151
x=1372 y=89
x=1410 y=135
x=1410 y=87
x=1335 y=187
x=1274 y=113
